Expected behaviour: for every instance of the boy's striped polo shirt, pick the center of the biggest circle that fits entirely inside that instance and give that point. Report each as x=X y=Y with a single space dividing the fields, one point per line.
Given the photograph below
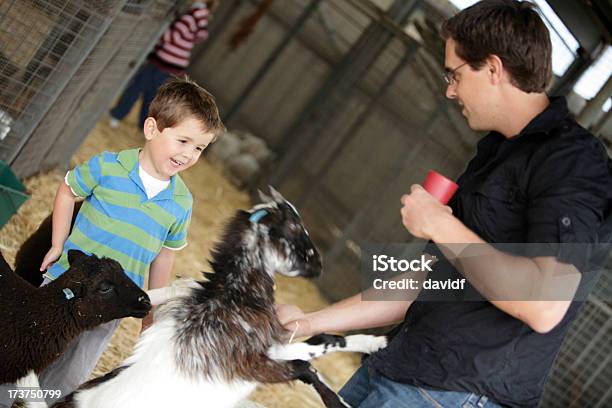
x=118 y=221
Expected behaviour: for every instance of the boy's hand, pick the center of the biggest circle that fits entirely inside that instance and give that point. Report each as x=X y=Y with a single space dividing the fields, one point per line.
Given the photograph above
x=49 y=259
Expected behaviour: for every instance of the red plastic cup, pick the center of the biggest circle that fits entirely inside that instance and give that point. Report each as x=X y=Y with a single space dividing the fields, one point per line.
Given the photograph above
x=439 y=186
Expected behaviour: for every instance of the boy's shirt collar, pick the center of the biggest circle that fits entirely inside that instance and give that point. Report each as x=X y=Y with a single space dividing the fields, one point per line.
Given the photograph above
x=129 y=161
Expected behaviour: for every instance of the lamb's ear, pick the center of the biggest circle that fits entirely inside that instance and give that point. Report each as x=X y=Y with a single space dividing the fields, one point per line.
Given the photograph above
x=263 y=196
x=75 y=290
x=74 y=255
x=276 y=195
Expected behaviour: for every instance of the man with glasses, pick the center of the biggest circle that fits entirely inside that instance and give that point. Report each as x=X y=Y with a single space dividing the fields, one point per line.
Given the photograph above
x=537 y=177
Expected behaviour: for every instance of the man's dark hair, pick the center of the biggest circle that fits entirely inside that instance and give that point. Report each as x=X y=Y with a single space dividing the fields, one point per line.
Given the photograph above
x=513 y=31
x=180 y=98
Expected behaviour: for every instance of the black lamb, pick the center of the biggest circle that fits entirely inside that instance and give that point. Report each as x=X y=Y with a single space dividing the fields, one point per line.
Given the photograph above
x=37 y=324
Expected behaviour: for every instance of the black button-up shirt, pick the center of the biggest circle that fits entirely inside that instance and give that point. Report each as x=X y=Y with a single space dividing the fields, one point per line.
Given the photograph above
x=550 y=184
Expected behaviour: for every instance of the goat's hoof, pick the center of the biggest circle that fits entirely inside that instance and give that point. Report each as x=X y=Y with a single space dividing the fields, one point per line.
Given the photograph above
x=366 y=343
x=378 y=343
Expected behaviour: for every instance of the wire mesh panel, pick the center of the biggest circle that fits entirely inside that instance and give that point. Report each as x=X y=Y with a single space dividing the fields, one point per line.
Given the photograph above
x=43 y=43
x=103 y=74
x=48 y=61
x=582 y=373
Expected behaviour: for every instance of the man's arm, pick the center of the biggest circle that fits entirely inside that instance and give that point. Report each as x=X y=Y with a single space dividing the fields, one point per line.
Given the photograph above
x=160 y=273
x=62 y=217
x=352 y=313
x=425 y=217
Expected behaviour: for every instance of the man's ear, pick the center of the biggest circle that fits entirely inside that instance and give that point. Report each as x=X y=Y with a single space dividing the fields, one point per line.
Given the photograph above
x=495 y=69
x=149 y=128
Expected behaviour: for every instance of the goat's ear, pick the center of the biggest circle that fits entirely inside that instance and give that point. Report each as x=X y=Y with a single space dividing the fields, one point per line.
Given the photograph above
x=263 y=196
x=74 y=255
x=276 y=195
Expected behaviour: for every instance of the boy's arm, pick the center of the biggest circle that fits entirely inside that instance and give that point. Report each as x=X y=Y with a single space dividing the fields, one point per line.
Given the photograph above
x=159 y=276
x=161 y=269
x=62 y=216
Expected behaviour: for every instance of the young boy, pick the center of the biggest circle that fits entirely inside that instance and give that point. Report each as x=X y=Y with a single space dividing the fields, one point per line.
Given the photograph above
x=136 y=210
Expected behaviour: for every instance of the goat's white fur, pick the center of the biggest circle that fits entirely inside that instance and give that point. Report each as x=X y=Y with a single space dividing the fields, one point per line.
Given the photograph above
x=358 y=343
x=144 y=385
x=30 y=381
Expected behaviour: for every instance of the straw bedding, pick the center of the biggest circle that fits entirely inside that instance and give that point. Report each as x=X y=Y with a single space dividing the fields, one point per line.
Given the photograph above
x=215 y=199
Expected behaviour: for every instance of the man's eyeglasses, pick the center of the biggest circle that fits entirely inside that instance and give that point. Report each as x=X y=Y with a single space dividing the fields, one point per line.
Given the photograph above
x=449 y=75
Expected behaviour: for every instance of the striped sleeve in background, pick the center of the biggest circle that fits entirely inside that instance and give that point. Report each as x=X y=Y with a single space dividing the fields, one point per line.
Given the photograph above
x=174 y=47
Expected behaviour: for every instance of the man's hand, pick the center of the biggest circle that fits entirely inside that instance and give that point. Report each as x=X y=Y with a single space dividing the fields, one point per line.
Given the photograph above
x=293 y=320
x=422 y=212
x=52 y=255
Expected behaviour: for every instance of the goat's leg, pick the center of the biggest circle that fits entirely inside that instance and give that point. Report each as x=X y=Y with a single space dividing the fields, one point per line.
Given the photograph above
x=180 y=287
x=30 y=382
x=307 y=374
x=270 y=371
x=326 y=343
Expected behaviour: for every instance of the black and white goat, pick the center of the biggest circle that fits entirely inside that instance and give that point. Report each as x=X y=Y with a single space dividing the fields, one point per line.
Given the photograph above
x=213 y=341
x=37 y=324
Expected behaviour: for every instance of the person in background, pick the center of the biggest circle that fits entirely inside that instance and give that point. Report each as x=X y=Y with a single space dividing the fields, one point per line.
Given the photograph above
x=171 y=56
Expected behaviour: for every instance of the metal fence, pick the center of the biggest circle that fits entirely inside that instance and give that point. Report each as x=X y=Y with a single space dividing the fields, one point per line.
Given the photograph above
x=61 y=64
x=354 y=108
x=582 y=375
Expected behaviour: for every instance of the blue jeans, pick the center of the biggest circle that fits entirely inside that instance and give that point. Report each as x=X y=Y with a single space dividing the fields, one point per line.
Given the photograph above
x=146 y=82
x=368 y=389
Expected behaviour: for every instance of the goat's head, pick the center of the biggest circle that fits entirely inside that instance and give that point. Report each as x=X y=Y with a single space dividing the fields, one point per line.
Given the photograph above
x=102 y=291
x=286 y=247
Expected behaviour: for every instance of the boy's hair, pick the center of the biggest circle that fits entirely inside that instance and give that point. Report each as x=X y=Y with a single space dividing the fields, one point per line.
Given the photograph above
x=510 y=29
x=180 y=98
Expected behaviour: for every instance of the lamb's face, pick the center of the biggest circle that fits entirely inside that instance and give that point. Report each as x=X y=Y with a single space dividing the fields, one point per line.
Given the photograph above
x=288 y=249
x=103 y=290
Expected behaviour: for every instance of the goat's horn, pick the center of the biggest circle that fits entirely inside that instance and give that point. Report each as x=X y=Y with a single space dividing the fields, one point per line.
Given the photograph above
x=276 y=195
x=264 y=197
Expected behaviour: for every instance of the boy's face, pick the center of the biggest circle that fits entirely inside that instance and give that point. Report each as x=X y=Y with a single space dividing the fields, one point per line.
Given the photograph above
x=174 y=149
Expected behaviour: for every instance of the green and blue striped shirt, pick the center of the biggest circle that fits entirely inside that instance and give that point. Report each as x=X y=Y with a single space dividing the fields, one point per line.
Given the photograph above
x=118 y=220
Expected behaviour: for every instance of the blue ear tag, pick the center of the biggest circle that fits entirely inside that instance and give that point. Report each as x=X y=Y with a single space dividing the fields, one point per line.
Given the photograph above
x=258 y=215
x=68 y=293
